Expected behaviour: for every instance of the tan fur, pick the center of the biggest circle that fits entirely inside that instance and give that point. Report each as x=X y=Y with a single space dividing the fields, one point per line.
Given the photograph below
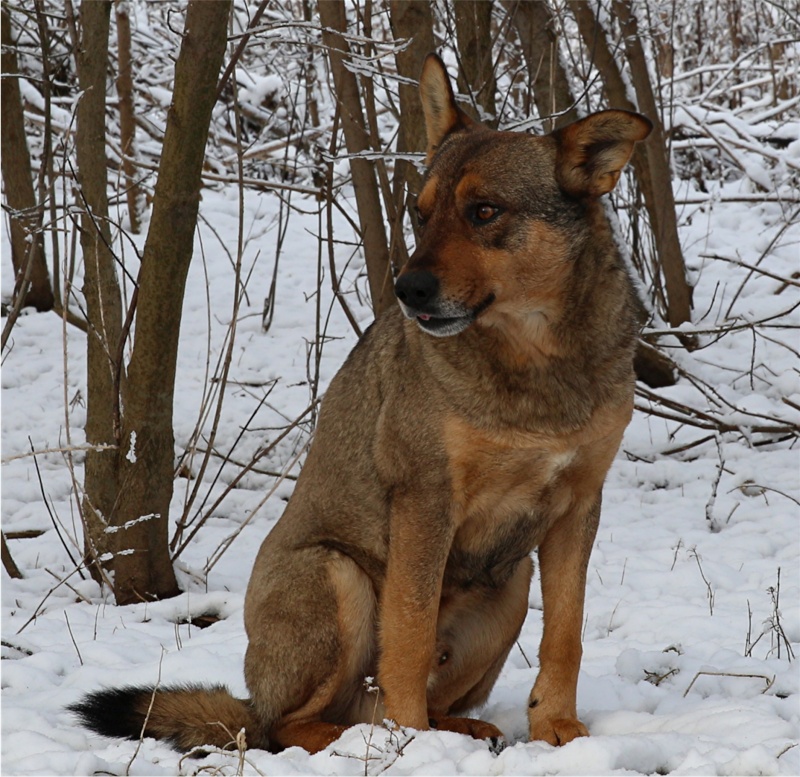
x=452 y=443
x=193 y=719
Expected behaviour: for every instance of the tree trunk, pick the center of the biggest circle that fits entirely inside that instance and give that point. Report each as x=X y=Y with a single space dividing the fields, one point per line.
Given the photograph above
x=546 y=75
x=474 y=36
x=127 y=118
x=649 y=160
x=673 y=267
x=412 y=21
x=147 y=440
x=27 y=242
x=370 y=215
x=100 y=288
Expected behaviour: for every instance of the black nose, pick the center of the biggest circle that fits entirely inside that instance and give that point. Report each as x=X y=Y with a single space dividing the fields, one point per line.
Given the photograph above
x=417 y=288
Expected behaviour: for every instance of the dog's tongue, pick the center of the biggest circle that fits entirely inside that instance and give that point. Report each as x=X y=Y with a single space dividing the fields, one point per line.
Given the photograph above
x=424 y=317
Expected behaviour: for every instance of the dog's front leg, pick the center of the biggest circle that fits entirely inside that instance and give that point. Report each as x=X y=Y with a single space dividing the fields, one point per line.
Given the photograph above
x=563 y=559
x=420 y=538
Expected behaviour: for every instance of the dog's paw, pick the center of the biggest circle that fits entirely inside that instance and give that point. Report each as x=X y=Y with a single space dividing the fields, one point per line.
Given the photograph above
x=477 y=729
x=558 y=731
x=497 y=744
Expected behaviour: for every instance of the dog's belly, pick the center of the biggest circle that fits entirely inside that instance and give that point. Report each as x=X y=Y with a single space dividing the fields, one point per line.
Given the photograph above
x=490 y=562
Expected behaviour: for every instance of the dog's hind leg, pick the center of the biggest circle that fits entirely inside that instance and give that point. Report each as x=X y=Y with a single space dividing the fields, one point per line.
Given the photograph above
x=475 y=633
x=311 y=624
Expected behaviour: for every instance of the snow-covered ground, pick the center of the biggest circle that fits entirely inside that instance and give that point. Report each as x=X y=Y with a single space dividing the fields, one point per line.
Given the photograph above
x=686 y=666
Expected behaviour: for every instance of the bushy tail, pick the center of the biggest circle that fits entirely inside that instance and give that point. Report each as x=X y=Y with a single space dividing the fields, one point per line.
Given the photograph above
x=186 y=716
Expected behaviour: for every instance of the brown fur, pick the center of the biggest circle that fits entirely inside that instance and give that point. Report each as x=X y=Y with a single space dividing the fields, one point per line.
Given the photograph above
x=441 y=462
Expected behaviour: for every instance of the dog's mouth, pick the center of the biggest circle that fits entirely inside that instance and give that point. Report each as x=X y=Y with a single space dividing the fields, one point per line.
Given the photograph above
x=442 y=327
x=447 y=325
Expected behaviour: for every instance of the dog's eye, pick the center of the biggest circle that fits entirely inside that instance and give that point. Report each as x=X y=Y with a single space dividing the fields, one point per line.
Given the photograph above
x=483 y=213
x=421 y=220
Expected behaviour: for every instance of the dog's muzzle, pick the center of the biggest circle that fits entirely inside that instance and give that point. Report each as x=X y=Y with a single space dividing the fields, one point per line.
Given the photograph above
x=418 y=294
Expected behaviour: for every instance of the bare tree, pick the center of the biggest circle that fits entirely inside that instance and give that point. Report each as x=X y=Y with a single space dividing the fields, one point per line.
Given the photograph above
x=100 y=286
x=547 y=78
x=412 y=22
x=476 y=65
x=649 y=160
x=128 y=483
x=662 y=205
x=127 y=119
x=356 y=134
x=146 y=461
x=27 y=242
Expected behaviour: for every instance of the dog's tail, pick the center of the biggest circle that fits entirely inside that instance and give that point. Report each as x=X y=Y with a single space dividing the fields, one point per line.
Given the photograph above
x=185 y=716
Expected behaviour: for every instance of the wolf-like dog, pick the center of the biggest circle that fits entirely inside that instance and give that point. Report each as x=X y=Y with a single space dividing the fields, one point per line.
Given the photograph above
x=472 y=424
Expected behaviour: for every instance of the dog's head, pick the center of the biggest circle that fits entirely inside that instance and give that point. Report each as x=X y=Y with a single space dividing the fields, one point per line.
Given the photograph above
x=502 y=213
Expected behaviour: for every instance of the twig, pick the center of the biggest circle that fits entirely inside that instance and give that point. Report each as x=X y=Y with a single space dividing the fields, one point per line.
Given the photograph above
x=709 y=589
x=792 y=219
x=712 y=524
x=147 y=715
x=23 y=282
x=72 y=637
x=330 y=200
x=46 y=597
x=63 y=449
x=243 y=38
x=777 y=626
x=25 y=534
x=230 y=460
x=527 y=660
x=12 y=646
x=250 y=183
x=783 y=279
x=8 y=561
x=231 y=333
x=50 y=512
x=225 y=544
x=259 y=455
x=770 y=681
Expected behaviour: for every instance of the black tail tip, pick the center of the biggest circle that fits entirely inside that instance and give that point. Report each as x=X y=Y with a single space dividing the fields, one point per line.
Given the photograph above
x=112 y=712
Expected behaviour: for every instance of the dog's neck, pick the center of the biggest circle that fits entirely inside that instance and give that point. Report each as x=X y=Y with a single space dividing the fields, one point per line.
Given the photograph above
x=522 y=341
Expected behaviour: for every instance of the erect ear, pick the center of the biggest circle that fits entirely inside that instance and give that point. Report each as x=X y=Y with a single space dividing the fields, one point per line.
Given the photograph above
x=593 y=151
x=442 y=115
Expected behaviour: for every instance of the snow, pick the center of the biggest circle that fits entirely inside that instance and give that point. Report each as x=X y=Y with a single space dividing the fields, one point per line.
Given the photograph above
x=683 y=669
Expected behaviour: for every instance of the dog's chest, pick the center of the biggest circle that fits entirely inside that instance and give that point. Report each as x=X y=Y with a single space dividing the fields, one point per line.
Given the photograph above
x=509 y=488
x=503 y=488
x=504 y=476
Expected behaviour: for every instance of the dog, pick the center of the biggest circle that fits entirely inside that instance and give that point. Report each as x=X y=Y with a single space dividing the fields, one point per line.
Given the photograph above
x=469 y=426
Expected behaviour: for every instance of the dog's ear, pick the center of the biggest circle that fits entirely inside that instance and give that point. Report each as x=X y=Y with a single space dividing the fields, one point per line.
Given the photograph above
x=593 y=151
x=442 y=115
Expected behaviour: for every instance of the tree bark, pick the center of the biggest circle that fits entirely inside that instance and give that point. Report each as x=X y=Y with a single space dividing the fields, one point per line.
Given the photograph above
x=673 y=267
x=100 y=288
x=474 y=37
x=412 y=21
x=547 y=78
x=127 y=118
x=649 y=159
x=27 y=241
x=147 y=440
x=356 y=134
